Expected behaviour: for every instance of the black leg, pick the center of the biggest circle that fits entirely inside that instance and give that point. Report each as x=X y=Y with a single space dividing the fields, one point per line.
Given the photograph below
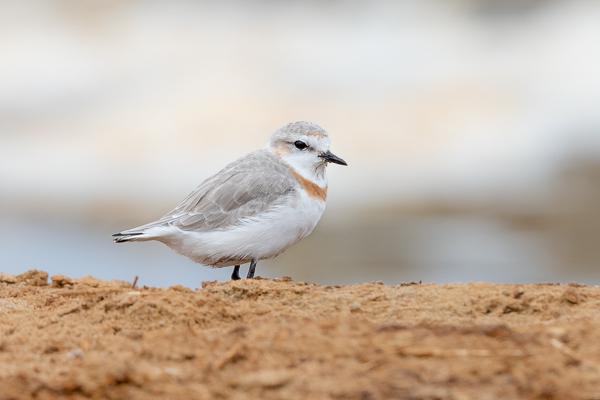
x=236 y=273
x=251 y=270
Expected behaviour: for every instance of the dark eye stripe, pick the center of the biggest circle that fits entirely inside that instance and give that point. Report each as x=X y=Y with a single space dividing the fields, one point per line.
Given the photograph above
x=300 y=144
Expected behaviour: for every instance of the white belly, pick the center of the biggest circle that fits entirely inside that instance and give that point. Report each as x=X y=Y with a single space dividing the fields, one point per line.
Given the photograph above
x=264 y=236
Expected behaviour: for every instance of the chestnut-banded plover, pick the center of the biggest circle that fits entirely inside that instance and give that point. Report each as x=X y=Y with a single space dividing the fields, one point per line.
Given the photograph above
x=254 y=208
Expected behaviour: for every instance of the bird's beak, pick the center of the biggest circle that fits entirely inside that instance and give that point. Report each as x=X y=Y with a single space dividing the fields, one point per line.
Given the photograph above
x=332 y=158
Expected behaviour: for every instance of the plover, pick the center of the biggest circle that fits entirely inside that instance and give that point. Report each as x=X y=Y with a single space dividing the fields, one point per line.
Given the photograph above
x=254 y=208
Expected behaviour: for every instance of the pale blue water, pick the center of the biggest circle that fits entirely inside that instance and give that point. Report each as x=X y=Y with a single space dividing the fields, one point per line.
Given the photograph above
x=76 y=251
x=431 y=249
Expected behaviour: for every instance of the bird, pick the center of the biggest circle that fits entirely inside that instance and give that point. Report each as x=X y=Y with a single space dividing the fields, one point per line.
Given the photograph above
x=253 y=209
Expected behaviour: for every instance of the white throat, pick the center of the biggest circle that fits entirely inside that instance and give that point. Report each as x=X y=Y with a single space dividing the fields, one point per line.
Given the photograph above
x=305 y=164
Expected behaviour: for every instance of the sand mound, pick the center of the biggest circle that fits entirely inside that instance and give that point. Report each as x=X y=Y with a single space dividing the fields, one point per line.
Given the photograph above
x=264 y=339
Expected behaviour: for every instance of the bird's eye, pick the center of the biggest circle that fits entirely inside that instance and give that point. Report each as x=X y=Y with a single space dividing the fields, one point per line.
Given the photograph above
x=300 y=145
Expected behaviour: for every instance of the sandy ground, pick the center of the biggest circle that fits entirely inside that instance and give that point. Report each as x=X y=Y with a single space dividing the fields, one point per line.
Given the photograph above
x=264 y=339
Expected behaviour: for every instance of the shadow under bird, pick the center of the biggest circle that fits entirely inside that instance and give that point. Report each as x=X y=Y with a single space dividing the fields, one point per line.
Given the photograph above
x=254 y=208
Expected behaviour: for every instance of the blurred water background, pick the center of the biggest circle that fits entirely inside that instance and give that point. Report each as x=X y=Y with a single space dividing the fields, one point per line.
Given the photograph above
x=472 y=129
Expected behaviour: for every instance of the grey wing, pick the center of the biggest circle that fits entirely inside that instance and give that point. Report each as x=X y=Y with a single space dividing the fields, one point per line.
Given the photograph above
x=243 y=189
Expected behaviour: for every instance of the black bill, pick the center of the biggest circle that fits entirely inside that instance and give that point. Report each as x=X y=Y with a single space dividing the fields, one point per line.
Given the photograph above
x=332 y=158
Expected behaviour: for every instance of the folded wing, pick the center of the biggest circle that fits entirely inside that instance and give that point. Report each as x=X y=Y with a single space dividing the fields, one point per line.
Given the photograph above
x=244 y=189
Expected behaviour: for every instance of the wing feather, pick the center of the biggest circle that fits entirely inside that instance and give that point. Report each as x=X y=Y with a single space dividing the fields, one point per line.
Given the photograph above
x=242 y=190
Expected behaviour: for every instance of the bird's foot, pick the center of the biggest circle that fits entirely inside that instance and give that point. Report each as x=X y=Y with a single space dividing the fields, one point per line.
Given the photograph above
x=251 y=270
x=235 y=275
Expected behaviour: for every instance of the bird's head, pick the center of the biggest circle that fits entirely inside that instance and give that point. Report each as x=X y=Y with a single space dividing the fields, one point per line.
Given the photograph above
x=305 y=147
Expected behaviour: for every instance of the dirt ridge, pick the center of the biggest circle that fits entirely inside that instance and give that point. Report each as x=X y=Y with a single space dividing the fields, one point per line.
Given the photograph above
x=280 y=339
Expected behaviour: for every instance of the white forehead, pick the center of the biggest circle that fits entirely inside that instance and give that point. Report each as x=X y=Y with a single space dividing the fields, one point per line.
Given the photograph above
x=301 y=130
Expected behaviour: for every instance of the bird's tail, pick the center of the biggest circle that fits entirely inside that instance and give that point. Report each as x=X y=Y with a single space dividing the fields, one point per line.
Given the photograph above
x=152 y=231
x=128 y=237
x=138 y=234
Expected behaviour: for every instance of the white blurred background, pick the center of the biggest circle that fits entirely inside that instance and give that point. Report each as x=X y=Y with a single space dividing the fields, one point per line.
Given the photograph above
x=472 y=129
